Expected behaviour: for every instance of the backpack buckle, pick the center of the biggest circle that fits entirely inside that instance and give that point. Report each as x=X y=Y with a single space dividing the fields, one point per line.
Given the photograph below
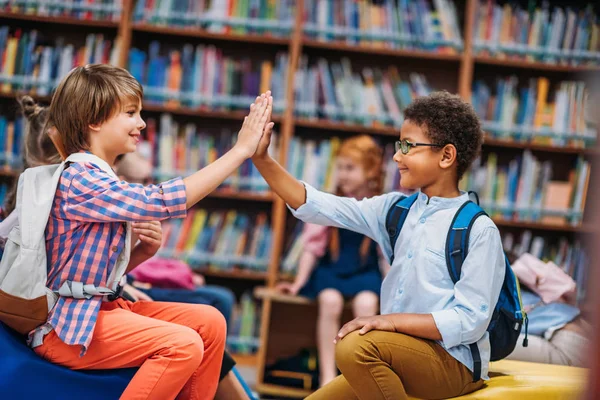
x=118 y=292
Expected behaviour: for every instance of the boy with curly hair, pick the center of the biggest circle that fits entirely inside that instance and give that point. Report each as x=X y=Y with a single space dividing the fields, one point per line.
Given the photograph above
x=419 y=345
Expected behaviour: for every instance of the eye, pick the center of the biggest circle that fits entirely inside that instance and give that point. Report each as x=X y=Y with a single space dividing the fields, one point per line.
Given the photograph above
x=131 y=113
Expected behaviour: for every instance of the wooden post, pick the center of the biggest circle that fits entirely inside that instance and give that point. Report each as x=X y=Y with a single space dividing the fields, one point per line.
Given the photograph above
x=124 y=33
x=279 y=207
x=465 y=78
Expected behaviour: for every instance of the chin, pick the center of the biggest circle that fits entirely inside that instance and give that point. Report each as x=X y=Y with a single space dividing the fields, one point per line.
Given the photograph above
x=408 y=184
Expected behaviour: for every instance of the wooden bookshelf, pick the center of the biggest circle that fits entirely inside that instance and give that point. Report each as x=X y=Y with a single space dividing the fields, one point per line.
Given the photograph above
x=343 y=47
x=449 y=67
x=235 y=273
x=246 y=360
x=59 y=20
x=199 y=33
x=538 y=66
x=8 y=172
x=200 y=112
x=540 y=226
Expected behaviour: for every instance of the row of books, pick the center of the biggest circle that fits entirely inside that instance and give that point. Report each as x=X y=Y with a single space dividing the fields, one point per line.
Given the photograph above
x=527 y=112
x=181 y=149
x=31 y=62
x=569 y=255
x=334 y=91
x=203 y=76
x=219 y=239
x=418 y=24
x=109 y=10
x=244 y=331
x=554 y=35
x=11 y=142
x=223 y=16
x=526 y=189
x=4 y=188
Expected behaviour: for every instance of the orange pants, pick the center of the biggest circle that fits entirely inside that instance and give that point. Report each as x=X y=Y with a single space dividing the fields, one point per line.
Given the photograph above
x=178 y=347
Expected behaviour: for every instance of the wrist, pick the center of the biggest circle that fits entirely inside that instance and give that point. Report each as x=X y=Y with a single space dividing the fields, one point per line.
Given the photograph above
x=241 y=152
x=260 y=159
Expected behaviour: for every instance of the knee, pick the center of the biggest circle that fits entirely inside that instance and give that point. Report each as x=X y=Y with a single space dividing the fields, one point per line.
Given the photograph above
x=365 y=304
x=352 y=350
x=331 y=303
x=214 y=325
x=187 y=346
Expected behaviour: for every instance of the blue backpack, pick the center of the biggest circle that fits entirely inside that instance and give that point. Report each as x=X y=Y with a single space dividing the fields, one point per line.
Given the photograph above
x=508 y=316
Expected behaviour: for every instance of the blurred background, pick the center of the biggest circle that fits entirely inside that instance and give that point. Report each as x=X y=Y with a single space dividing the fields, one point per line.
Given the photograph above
x=337 y=68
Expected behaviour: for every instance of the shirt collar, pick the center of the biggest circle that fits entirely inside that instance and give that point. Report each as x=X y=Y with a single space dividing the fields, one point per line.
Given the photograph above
x=443 y=202
x=86 y=156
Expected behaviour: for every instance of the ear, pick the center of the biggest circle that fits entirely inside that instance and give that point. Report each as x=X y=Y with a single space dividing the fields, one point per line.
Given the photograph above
x=447 y=156
x=94 y=127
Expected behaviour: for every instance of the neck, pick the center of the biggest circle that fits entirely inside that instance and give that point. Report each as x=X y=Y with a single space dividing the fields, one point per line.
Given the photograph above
x=98 y=152
x=443 y=188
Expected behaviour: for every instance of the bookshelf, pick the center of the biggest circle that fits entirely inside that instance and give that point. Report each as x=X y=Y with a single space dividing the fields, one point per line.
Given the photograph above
x=457 y=69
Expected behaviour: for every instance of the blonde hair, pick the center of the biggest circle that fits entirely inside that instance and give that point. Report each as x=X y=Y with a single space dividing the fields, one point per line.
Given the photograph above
x=366 y=152
x=89 y=95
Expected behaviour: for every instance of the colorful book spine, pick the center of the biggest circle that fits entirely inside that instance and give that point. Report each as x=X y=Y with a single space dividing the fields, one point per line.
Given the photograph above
x=529 y=113
x=98 y=10
x=370 y=97
x=563 y=35
x=424 y=25
x=273 y=18
x=28 y=64
x=203 y=77
x=220 y=240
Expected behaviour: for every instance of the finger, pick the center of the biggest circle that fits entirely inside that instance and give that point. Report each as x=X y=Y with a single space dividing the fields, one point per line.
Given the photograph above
x=144 y=225
x=269 y=129
x=149 y=240
x=148 y=232
x=368 y=327
x=260 y=120
x=252 y=114
x=267 y=115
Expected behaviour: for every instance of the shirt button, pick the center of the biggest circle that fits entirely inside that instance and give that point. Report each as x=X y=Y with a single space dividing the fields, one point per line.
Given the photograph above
x=422 y=220
x=114 y=249
x=410 y=254
x=161 y=191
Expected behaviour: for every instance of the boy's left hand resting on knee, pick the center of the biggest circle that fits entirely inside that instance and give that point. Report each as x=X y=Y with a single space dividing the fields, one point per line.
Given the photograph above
x=418 y=325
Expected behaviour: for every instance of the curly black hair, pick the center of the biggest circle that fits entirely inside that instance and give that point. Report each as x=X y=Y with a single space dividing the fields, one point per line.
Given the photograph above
x=447 y=119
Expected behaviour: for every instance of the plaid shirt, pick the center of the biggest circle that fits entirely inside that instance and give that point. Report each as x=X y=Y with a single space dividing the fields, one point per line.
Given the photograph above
x=86 y=233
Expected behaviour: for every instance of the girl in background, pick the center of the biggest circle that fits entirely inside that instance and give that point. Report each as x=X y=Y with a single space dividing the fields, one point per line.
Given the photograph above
x=339 y=264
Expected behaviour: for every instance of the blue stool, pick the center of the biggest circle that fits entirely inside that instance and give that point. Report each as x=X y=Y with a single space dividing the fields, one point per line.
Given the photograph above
x=24 y=375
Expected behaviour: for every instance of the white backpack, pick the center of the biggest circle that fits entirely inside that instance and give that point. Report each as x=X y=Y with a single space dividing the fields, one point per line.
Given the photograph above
x=25 y=301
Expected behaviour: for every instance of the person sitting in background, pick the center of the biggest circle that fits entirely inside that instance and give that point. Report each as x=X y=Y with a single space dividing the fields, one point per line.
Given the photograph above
x=339 y=264
x=557 y=333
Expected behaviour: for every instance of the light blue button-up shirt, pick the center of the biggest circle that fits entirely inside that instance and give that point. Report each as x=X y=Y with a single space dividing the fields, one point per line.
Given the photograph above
x=418 y=281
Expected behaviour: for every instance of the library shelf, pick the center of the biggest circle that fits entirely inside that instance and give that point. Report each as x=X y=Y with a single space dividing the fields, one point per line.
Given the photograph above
x=12 y=95
x=59 y=20
x=343 y=47
x=540 y=66
x=194 y=32
x=200 y=112
x=343 y=127
x=235 y=273
x=515 y=144
x=541 y=226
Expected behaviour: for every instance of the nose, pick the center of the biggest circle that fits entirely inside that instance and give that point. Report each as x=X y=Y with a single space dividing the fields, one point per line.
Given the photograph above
x=397 y=156
x=141 y=124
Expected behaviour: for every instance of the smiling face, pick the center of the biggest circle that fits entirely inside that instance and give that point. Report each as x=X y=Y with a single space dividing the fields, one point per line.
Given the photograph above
x=420 y=168
x=351 y=176
x=121 y=133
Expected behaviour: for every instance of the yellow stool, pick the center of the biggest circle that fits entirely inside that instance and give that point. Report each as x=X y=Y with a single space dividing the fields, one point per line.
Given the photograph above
x=529 y=381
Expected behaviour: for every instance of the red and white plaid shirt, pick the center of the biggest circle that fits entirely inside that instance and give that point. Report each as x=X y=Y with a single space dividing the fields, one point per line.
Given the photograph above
x=86 y=233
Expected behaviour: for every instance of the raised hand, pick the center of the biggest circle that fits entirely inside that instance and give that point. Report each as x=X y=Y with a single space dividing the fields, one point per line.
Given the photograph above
x=262 y=150
x=254 y=124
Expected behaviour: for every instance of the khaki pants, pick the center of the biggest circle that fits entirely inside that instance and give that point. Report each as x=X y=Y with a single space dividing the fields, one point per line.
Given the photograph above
x=389 y=365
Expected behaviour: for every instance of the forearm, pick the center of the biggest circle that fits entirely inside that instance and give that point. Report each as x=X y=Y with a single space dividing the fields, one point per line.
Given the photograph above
x=281 y=182
x=305 y=267
x=203 y=182
x=137 y=257
x=418 y=325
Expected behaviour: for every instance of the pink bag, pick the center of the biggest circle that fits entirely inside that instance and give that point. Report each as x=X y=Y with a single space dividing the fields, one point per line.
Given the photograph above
x=164 y=273
x=545 y=279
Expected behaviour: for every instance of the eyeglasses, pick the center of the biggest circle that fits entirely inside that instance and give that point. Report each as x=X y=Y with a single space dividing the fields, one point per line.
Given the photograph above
x=404 y=145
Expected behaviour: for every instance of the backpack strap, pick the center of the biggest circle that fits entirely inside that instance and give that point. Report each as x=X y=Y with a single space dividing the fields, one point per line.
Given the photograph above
x=457 y=248
x=395 y=218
